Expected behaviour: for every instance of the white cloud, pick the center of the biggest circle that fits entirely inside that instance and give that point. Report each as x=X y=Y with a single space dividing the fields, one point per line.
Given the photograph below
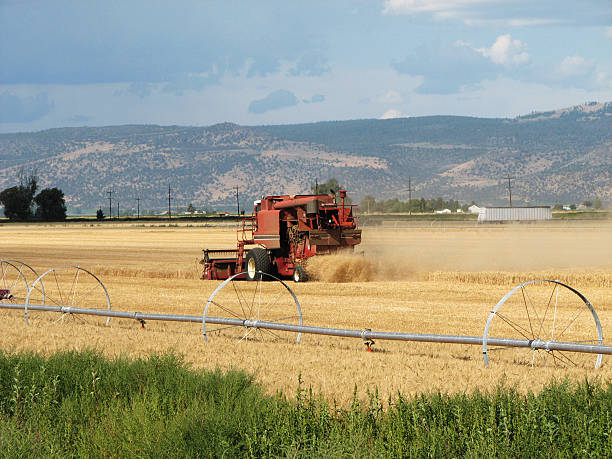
x=18 y=109
x=578 y=72
x=493 y=13
x=446 y=68
x=513 y=22
x=506 y=51
x=573 y=66
x=603 y=80
x=609 y=32
x=391 y=113
x=390 y=97
x=442 y=8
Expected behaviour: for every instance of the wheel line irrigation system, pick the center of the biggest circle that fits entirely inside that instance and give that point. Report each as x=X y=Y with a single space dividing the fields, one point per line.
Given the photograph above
x=69 y=298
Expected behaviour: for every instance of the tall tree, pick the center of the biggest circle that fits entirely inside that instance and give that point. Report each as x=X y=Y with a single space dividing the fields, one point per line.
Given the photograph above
x=367 y=204
x=51 y=204
x=330 y=187
x=18 y=200
x=597 y=203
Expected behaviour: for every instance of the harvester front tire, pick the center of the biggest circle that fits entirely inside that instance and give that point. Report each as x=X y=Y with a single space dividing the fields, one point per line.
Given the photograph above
x=257 y=260
x=299 y=274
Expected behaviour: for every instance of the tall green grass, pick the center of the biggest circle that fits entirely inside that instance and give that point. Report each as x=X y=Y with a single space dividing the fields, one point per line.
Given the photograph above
x=81 y=404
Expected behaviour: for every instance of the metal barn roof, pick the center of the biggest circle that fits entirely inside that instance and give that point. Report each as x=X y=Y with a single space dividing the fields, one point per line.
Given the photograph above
x=502 y=214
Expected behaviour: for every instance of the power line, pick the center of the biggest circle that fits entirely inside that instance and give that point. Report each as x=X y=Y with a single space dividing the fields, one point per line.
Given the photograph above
x=110 y=203
x=409 y=195
x=169 y=208
x=509 y=188
x=237 y=200
x=409 y=190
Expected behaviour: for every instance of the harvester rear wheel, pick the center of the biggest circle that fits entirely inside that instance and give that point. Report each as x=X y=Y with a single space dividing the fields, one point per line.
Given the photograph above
x=257 y=260
x=299 y=274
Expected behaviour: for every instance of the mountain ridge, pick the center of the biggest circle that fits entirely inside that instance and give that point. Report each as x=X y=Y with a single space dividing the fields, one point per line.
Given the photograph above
x=562 y=155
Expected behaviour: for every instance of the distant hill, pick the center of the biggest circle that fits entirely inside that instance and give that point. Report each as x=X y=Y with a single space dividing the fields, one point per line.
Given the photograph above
x=558 y=156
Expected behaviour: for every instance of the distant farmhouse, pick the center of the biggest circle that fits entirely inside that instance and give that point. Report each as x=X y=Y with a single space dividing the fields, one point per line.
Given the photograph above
x=509 y=214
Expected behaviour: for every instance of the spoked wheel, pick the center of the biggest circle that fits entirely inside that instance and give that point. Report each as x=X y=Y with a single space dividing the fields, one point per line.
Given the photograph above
x=543 y=311
x=70 y=287
x=234 y=308
x=13 y=283
x=31 y=275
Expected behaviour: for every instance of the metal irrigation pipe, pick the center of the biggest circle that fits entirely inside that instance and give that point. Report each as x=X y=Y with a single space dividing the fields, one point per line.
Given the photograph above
x=106 y=313
x=346 y=333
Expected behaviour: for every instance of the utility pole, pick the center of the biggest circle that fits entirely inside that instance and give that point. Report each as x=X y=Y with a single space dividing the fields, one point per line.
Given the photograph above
x=409 y=190
x=138 y=209
x=117 y=209
x=237 y=200
x=169 y=208
x=110 y=204
x=409 y=195
x=509 y=188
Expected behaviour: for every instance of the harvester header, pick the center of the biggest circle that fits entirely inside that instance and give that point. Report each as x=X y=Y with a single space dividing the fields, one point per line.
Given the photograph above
x=286 y=231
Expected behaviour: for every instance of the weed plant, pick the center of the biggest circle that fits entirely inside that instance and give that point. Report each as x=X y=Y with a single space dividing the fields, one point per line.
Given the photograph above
x=83 y=404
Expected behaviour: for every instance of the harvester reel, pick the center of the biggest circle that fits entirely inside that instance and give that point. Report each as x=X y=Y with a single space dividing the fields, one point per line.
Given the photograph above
x=70 y=287
x=13 y=283
x=543 y=312
x=244 y=304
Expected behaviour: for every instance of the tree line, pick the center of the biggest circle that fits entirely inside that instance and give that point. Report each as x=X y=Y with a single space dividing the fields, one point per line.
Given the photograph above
x=394 y=205
x=23 y=204
x=370 y=204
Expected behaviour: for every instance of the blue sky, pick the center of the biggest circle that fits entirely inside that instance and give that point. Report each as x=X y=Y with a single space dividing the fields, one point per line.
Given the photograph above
x=187 y=62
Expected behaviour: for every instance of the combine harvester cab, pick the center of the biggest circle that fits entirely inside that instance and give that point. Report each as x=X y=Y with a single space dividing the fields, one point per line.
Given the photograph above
x=286 y=231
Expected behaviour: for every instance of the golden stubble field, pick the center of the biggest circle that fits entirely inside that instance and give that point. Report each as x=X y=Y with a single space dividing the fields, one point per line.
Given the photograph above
x=442 y=280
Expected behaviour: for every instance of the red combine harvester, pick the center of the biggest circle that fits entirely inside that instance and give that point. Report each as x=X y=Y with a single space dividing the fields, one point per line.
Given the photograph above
x=287 y=230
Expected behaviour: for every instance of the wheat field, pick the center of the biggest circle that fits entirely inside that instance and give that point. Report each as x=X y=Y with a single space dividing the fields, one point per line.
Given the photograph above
x=420 y=279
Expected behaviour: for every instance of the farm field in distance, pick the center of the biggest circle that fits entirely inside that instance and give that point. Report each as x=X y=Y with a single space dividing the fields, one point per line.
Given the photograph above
x=411 y=278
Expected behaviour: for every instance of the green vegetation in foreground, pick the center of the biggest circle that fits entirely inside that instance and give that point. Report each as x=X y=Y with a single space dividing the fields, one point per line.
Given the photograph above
x=81 y=404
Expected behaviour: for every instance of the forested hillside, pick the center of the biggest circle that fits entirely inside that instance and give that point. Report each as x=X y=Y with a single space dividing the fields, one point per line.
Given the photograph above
x=558 y=156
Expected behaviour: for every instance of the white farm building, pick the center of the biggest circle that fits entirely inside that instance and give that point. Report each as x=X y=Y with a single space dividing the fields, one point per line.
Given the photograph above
x=508 y=214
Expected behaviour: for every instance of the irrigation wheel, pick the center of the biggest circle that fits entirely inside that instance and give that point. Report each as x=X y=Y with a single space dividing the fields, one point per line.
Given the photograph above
x=13 y=283
x=235 y=306
x=70 y=287
x=549 y=311
x=31 y=275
